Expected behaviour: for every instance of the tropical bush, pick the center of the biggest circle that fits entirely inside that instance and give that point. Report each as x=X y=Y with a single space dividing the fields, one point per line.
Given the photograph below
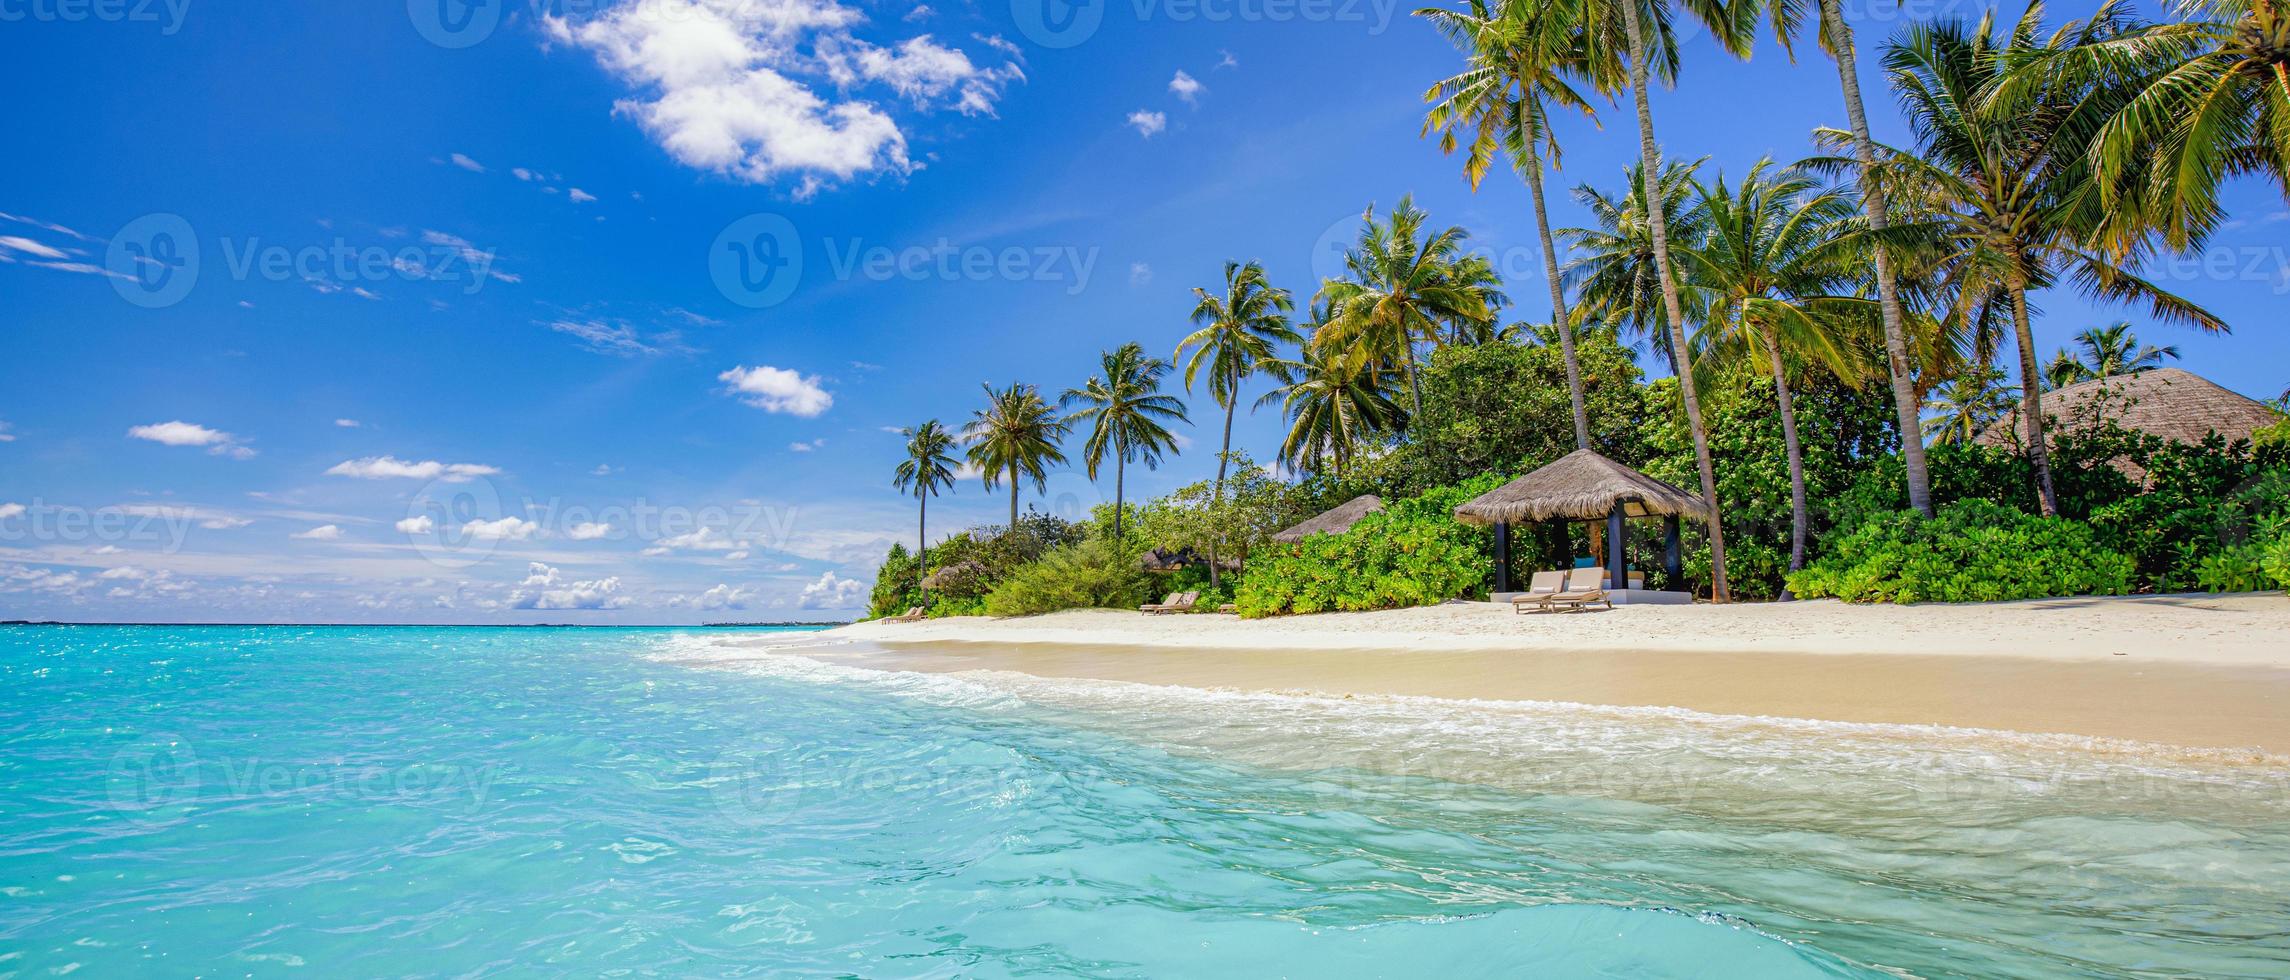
x=1415 y=553
x=1099 y=572
x=1970 y=551
x=2277 y=562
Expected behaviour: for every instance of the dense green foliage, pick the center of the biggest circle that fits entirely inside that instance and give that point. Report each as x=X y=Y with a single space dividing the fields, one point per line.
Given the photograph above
x=1099 y=572
x=1414 y=553
x=1970 y=551
x=1502 y=408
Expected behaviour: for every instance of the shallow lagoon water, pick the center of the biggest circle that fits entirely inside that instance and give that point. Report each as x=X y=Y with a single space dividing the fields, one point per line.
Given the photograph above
x=446 y=801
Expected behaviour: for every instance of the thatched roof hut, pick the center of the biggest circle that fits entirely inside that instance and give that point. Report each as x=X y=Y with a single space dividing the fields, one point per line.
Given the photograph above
x=1580 y=486
x=1336 y=521
x=2166 y=402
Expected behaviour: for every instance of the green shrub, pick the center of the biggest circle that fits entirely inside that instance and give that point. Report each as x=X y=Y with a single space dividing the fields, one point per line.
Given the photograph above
x=1095 y=573
x=1971 y=551
x=2233 y=568
x=2277 y=562
x=1415 y=553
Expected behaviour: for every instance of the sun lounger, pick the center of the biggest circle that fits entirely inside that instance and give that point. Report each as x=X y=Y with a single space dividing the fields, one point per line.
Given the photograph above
x=1154 y=607
x=1177 y=604
x=911 y=615
x=1539 y=590
x=1584 y=588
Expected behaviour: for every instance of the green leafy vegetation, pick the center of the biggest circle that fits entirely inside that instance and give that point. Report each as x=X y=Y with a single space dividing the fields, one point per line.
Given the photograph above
x=1971 y=551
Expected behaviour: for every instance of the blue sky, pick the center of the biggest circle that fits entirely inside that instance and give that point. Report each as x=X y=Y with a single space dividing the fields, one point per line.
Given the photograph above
x=409 y=312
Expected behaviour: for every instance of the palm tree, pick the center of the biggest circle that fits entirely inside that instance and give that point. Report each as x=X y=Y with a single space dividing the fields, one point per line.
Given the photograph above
x=1613 y=275
x=2003 y=192
x=1125 y=414
x=1333 y=409
x=1015 y=437
x=927 y=468
x=1729 y=24
x=1401 y=286
x=2114 y=350
x=1235 y=338
x=2209 y=98
x=1969 y=403
x=1837 y=40
x=1516 y=60
x=1776 y=269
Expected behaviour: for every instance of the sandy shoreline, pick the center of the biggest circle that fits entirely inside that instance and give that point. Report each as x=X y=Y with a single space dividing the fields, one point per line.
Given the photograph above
x=2195 y=671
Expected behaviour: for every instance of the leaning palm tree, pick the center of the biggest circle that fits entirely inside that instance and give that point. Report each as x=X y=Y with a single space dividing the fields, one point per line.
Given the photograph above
x=1836 y=38
x=1613 y=273
x=2209 y=99
x=1125 y=413
x=927 y=468
x=1334 y=410
x=1015 y=437
x=1400 y=286
x=1517 y=55
x=1967 y=404
x=1778 y=272
x=1730 y=25
x=2002 y=191
x=1236 y=337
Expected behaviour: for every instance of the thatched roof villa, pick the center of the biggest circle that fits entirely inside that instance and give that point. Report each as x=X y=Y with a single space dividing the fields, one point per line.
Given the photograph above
x=1336 y=521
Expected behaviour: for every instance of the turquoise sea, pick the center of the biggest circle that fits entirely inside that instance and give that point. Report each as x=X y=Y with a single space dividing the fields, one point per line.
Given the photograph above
x=353 y=801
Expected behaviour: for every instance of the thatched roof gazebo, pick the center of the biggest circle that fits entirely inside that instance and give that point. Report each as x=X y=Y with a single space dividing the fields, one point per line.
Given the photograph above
x=2176 y=405
x=1584 y=486
x=1335 y=521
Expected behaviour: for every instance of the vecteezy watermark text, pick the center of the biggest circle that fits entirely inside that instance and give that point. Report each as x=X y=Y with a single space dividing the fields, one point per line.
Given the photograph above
x=168 y=14
x=758 y=261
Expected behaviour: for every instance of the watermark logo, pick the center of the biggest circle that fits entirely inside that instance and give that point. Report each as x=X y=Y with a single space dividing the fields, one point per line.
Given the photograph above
x=457 y=523
x=1058 y=24
x=455 y=24
x=154 y=260
x=757 y=261
x=155 y=773
x=1329 y=250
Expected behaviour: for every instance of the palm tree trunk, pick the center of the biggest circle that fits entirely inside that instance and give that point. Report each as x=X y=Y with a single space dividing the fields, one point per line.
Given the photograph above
x=922 y=551
x=1558 y=300
x=1796 y=455
x=1414 y=387
x=1907 y=402
x=1013 y=500
x=1657 y=224
x=2031 y=397
x=1120 y=470
x=1224 y=455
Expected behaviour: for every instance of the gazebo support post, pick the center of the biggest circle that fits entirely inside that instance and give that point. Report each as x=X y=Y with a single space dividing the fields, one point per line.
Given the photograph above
x=1502 y=557
x=1617 y=575
x=1673 y=557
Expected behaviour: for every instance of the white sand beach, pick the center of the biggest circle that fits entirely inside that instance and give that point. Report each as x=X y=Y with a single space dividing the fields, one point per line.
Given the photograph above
x=2195 y=671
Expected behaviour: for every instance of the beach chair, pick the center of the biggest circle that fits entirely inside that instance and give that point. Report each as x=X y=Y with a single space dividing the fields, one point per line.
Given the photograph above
x=913 y=614
x=1585 y=587
x=1182 y=604
x=1539 y=590
x=1154 y=607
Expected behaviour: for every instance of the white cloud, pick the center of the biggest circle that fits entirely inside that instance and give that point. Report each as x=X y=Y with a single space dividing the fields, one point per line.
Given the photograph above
x=603 y=469
x=5 y=435
x=704 y=539
x=467 y=164
x=719 y=597
x=920 y=12
x=1148 y=123
x=618 y=339
x=511 y=528
x=323 y=532
x=349 y=423
x=393 y=468
x=804 y=447
x=833 y=591
x=1140 y=273
x=180 y=433
x=735 y=556
x=30 y=247
x=580 y=196
x=588 y=531
x=11 y=510
x=208 y=519
x=1186 y=87
x=731 y=85
x=523 y=174
x=778 y=390
x=1226 y=60
x=545 y=588
x=417 y=525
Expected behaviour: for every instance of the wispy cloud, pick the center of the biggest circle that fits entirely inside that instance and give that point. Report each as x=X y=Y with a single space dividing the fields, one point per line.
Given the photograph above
x=1147 y=123
x=778 y=390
